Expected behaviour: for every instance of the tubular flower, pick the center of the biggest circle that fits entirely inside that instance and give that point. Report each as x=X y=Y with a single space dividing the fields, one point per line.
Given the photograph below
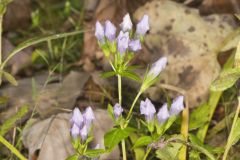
x=117 y=110
x=75 y=131
x=163 y=114
x=77 y=117
x=126 y=25
x=177 y=105
x=147 y=109
x=122 y=42
x=99 y=32
x=110 y=31
x=157 y=67
x=135 y=45
x=143 y=26
x=88 y=117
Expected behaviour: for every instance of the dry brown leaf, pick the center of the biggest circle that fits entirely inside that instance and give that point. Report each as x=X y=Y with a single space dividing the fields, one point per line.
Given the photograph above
x=189 y=41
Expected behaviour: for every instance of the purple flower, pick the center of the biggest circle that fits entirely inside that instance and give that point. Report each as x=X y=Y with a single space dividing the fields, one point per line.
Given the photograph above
x=75 y=131
x=110 y=31
x=117 y=110
x=123 y=40
x=77 y=117
x=163 y=114
x=177 y=105
x=135 y=45
x=99 y=32
x=84 y=133
x=143 y=26
x=127 y=23
x=88 y=117
x=157 y=67
x=148 y=109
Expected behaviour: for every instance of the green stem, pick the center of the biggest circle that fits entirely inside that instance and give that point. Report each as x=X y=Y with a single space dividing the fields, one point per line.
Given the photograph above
x=124 y=150
x=133 y=104
x=148 y=151
x=228 y=146
x=119 y=89
x=12 y=148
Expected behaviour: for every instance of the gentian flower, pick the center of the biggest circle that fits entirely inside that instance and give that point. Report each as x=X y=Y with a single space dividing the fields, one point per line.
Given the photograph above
x=126 y=25
x=75 y=131
x=88 y=117
x=135 y=45
x=148 y=109
x=84 y=133
x=77 y=117
x=110 y=31
x=177 y=105
x=157 y=67
x=99 y=32
x=117 y=110
x=123 y=40
x=143 y=26
x=163 y=114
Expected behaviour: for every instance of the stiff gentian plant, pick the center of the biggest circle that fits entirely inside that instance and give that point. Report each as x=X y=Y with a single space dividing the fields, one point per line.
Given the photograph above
x=120 y=51
x=81 y=127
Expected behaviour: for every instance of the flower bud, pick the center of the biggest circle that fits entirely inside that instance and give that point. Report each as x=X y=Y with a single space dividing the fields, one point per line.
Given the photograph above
x=117 y=110
x=177 y=105
x=84 y=133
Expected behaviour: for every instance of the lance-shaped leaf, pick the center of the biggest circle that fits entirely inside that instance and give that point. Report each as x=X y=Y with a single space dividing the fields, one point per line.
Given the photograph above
x=226 y=79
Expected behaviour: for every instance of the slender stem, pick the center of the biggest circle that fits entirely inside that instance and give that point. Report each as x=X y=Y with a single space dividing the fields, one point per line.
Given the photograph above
x=124 y=150
x=133 y=104
x=12 y=148
x=119 y=89
x=1 y=18
x=147 y=153
x=228 y=146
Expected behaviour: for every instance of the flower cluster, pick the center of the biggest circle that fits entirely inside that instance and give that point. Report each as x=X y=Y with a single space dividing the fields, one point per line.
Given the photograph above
x=125 y=40
x=148 y=109
x=81 y=123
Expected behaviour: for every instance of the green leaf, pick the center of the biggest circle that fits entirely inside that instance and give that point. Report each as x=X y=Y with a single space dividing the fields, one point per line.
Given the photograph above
x=10 y=122
x=196 y=117
x=39 y=53
x=169 y=152
x=94 y=153
x=227 y=79
x=138 y=152
x=73 y=157
x=10 y=78
x=108 y=74
x=143 y=141
x=114 y=136
x=161 y=129
x=110 y=111
x=131 y=75
x=235 y=133
x=197 y=144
